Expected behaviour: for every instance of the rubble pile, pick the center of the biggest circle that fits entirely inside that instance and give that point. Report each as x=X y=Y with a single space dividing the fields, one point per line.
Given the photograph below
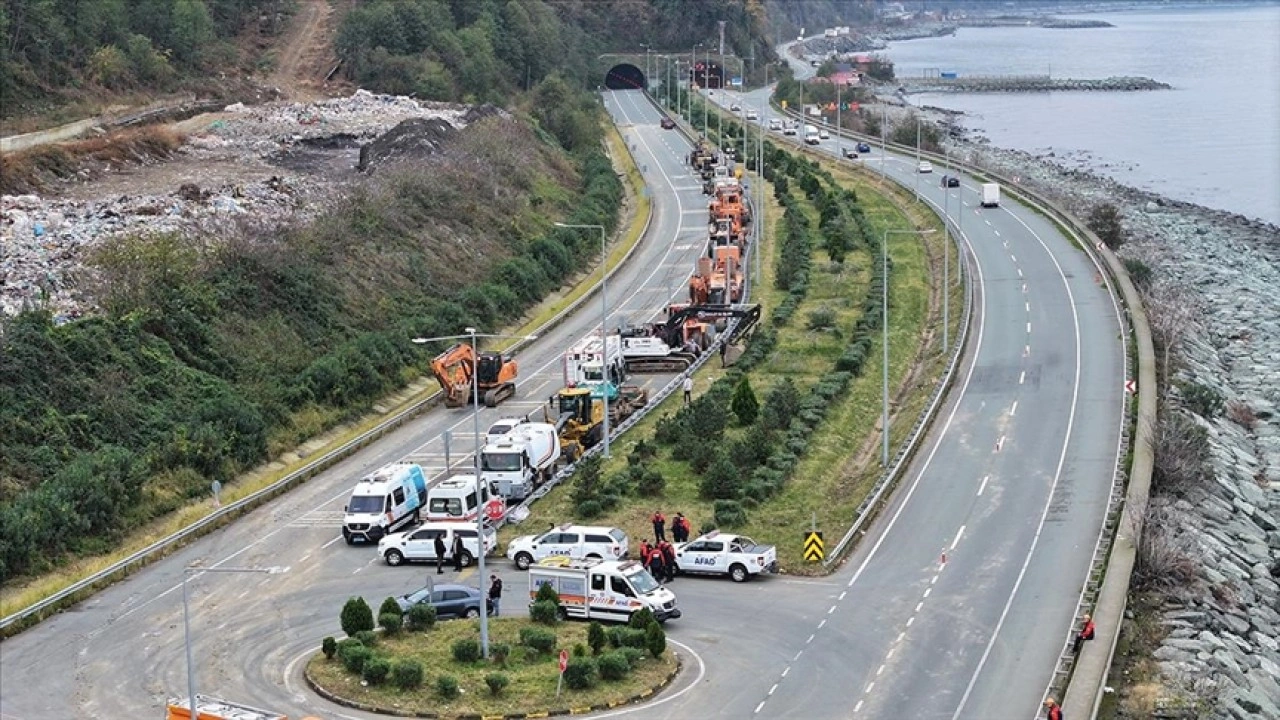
x=230 y=170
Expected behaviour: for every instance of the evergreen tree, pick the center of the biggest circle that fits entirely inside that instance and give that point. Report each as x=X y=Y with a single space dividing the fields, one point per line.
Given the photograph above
x=744 y=403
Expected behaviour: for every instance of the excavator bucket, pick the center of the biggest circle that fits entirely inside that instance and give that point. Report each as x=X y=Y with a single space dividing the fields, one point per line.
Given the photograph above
x=730 y=354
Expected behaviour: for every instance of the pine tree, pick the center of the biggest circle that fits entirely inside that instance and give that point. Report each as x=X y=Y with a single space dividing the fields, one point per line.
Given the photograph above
x=744 y=403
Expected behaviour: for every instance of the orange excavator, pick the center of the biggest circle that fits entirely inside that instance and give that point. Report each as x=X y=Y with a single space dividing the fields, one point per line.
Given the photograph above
x=674 y=345
x=727 y=201
x=724 y=231
x=718 y=281
x=495 y=375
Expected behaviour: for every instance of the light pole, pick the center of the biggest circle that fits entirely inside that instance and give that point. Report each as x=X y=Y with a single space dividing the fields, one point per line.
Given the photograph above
x=604 y=320
x=884 y=321
x=471 y=334
x=884 y=128
x=186 y=618
x=917 y=158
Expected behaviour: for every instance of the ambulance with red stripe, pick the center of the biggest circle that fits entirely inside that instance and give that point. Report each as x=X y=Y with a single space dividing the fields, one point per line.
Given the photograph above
x=605 y=590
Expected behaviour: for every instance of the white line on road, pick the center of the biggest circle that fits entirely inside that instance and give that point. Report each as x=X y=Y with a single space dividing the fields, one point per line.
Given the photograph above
x=1028 y=307
x=900 y=636
x=842 y=594
x=857 y=707
x=1000 y=444
x=797 y=657
x=927 y=591
x=981 y=487
x=1013 y=409
x=822 y=624
x=869 y=686
x=806 y=642
x=1028 y=328
x=1022 y=377
x=331 y=541
x=759 y=707
x=958 y=534
x=997 y=232
x=1013 y=257
x=889 y=655
x=919 y=605
x=773 y=689
x=833 y=609
x=911 y=620
x=785 y=671
x=1026 y=351
x=879 y=670
x=304 y=558
x=1019 y=272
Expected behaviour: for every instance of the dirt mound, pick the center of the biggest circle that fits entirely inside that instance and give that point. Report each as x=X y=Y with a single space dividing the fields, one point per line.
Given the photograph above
x=410 y=140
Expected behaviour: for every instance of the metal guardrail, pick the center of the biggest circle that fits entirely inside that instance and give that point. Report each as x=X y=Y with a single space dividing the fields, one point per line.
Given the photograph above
x=77 y=591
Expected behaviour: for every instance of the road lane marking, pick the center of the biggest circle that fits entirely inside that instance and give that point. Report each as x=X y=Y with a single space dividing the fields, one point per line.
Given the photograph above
x=759 y=707
x=959 y=533
x=927 y=591
x=1013 y=257
x=833 y=609
x=981 y=487
x=842 y=594
x=1028 y=328
x=773 y=689
x=857 y=707
x=997 y=232
x=1026 y=351
x=806 y=642
x=1013 y=410
x=1000 y=444
x=1019 y=272
x=880 y=670
x=786 y=670
x=911 y=620
x=823 y=623
x=869 y=686
x=919 y=605
x=1028 y=307
x=331 y=541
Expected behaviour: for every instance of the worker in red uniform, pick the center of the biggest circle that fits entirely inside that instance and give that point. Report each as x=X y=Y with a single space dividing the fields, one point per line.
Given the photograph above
x=659 y=525
x=657 y=567
x=644 y=552
x=1086 y=633
x=1053 y=710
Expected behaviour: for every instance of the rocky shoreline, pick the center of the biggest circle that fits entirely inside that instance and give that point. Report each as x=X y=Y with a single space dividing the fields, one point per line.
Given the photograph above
x=1220 y=657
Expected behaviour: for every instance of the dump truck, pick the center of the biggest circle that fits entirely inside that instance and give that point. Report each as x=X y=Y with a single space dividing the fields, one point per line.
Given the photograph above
x=495 y=373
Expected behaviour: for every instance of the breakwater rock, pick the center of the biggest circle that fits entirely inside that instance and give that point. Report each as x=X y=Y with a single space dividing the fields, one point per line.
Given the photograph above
x=1028 y=83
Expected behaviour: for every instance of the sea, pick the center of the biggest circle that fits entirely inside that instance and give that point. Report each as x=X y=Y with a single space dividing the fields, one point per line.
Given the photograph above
x=1213 y=140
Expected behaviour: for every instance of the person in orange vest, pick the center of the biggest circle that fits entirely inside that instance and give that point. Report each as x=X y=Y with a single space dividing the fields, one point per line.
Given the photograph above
x=657 y=567
x=680 y=528
x=659 y=526
x=668 y=559
x=644 y=552
x=1053 y=711
x=1086 y=633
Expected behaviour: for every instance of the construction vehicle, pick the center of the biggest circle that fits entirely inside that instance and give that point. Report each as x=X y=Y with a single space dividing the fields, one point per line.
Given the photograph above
x=726 y=201
x=591 y=362
x=208 y=708
x=726 y=231
x=495 y=374
x=674 y=345
x=704 y=160
x=719 y=174
x=718 y=280
x=580 y=413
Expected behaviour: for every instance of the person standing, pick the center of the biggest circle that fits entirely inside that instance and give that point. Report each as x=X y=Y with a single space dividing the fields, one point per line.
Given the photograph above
x=495 y=594
x=659 y=526
x=688 y=390
x=457 y=552
x=439 y=547
x=644 y=552
x=656 y=566
x=1053 y=711
x=668 y=559
x=1086 y=633
x=680 y=528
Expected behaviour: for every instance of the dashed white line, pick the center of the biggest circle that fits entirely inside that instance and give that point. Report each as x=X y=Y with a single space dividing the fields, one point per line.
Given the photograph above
x=927 y=591
x=806 y=642
x=959 y=533
x=773 y=689
x=842 y=594
x=1000 y=444
x=304 y=557
x=857 y=707
x=797 y=657
x=1028 y=327
x=900 y=636
x=1022 y=377
x=833 y=609
x=759 y=707
x=786 y=670
x=1026 y=351
x=911 y=620
x=822 y=624
x=1013 y=409
x=1013 y=257
x=879 y=670
x=869 y=686
x=1019 y=272
x=997 y=232
x=981 y=487
x=330 y=542
x=934 y=580
x=889 y=655
x=919 y=605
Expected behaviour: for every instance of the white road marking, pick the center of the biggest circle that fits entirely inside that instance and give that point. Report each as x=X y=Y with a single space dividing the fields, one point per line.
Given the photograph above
x=981 y=487
x=997 y=232
x=842 y=594
x=331 y=541
x=1028 y=307
x=1013 y=257
x=1000 y=444
x=1028 y=328
x=959 y=533
x=857 y=707
x=773 y=689
x=1019 y=272
x=869 y=686
x=911 y=620
x=927 y=591
x=833 y=609
x=759 y=707
x=822 y=624
x=806 y=642
x=785 y=671
x=919 y=605
x=1013 y=409
x=879 y=670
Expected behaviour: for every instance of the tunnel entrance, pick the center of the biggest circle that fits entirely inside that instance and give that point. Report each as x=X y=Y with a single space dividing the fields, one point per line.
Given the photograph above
x=625 y=76
x=708 y=75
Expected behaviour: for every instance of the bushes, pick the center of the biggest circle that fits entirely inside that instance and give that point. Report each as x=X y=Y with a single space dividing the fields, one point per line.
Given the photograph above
x=356 y=616
x=391 y=622
x=613 y=666
x=499 y=652
x=376 y=670
x=744 y=404
x=730 y=514
x=496 y=682
x=596 y=637
x=407 y=674
x=422 y=617
x=655 y=640
x=581 y=673
x=447 y=687
x=466 y=650
x=544 y=641
x=620 y=637
x=329 y=647
x=546 y=612
x=354 y=656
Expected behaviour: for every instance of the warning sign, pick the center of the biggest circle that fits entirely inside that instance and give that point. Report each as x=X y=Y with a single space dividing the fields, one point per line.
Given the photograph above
x=814 y=549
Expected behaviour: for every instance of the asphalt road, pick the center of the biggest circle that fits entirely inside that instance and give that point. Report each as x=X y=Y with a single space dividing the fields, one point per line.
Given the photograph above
x=121 y=653
x=957 y=603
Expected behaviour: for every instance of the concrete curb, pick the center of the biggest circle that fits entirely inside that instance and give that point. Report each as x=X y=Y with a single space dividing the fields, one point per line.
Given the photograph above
x=552 y=712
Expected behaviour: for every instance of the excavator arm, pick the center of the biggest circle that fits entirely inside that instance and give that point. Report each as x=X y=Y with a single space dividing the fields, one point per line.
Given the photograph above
x=453 y=369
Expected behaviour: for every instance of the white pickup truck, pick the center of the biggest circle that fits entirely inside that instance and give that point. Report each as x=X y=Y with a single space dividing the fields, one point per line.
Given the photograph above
x=717 y=553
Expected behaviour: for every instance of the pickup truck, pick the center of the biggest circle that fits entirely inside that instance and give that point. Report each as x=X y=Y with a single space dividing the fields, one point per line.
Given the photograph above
x=718 y=553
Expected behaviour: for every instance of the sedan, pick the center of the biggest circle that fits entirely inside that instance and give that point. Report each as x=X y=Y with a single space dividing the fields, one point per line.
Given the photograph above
x=950 y=181
x=753 y=115
x=450 y=601
x=864 y=148
x=735 y=108
x=668 y=123
x=824 y=135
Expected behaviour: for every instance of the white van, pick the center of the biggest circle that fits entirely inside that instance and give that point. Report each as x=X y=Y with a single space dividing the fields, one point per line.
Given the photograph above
x=990 y=194
x=604 y=590
x=811 y=135
x=574 y=541
x=419 y=544
x=384 y=501
x=455 y=499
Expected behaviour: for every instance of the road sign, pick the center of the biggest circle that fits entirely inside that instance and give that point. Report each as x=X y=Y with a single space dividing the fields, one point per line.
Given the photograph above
x=564 y=660
x=814 y=549
x=1131 y=387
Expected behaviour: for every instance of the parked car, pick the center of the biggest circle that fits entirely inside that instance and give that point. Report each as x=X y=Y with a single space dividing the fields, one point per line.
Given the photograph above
x=668 y=123
x=450 y=601
x=575 y=541
x=419 y=544
x=950 y=181
x=925 y=167
x=864 y=148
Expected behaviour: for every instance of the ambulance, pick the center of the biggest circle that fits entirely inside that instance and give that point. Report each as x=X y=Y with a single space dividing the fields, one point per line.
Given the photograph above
x=384 y=501
x=606 y=590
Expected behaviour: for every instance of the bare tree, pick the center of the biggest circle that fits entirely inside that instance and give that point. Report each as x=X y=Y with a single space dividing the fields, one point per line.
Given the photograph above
x=1174 y=314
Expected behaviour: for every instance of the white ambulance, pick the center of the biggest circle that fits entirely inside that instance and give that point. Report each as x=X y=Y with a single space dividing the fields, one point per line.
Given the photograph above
x=604 y=590
x=383 y=502
x=455 y=499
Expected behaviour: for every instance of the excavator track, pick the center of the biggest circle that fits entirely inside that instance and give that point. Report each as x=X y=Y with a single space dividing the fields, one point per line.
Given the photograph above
x=498 y=394
x=675 y=362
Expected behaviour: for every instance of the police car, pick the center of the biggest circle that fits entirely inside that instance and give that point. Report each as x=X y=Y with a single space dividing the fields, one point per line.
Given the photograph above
x=717 y=553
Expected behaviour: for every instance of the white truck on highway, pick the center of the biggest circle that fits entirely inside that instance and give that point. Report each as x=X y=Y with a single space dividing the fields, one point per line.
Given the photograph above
x=811 y=135
x=990 y=194
x=604 y=589
x=518 y=462
x=717 y=553
x=383 y=501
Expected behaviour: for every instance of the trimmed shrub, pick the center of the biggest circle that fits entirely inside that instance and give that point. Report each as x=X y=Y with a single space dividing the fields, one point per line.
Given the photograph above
x=447 y=687
x=376 y=670
x=722 y=479
x=595 y=637
x=368 y=638
x=589 y=509
x=354 y=657
x=329 y=647
x=497 y=682
x=356 y=616
x=544 y=641
x=466 y=650
x=579 y=650
x=655 y=640
x=499 y=653
x=650 y=482
x=388 y=606
x=613 y=666
x=422 y=617
x=391 y=622
x=641 y=619
x=407 y=674
x=730 y=513
x=582 y=673
x=546 y=592
x=632 y=654
x=545 y=612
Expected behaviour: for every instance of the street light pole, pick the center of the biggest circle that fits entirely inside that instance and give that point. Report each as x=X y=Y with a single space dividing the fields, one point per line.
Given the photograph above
x=884 y=321
x=186 y=619
x=604 y=321
x=471 y=335
x=917 y=158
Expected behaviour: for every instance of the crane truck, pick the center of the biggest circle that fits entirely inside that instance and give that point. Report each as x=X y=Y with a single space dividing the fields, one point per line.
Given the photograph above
x=495 y=375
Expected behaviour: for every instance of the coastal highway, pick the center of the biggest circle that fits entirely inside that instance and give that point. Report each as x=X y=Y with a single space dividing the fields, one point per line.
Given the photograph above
x=120 y=654
x=1011 y=487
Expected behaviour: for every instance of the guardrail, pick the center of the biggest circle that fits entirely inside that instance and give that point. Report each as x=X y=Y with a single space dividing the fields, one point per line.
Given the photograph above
x=36 y=612
x=1083 y=677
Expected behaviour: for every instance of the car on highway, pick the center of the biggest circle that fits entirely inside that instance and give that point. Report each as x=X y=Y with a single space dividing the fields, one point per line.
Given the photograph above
x=850 y=153
x=775 y=124
x=791 y=129
x=864 y=148
x=503 y=426
x=735 y=108
x=925 y=167
x=753 y=115
x=668 y=123
x=823 y=134
x=576 y=541
x=450 y=601
x=950 y=181
x=419 y=544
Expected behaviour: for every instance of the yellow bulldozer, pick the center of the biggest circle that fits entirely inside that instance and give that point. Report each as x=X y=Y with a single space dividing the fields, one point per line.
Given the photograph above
x=580 y=413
